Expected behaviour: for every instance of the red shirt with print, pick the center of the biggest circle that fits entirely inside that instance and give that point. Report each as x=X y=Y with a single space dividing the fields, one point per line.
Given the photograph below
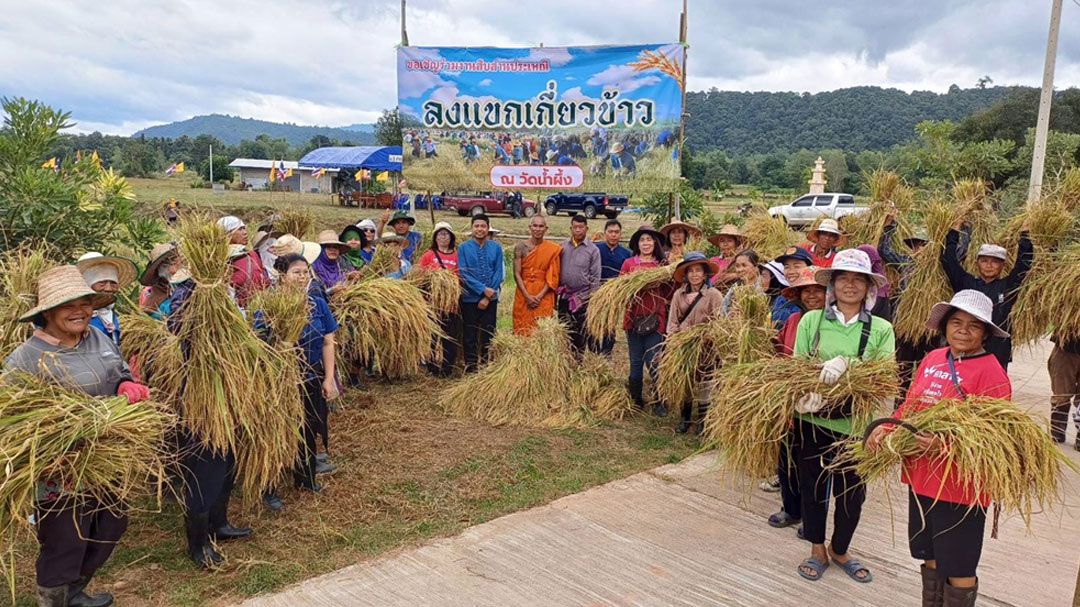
x=429 y=261
x=656 y=300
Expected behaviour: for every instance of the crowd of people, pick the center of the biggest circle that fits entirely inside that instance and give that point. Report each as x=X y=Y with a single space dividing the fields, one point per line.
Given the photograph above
x=830 y=303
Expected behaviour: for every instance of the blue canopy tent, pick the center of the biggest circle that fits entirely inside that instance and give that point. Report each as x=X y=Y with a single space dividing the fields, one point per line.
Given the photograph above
x=348 y=160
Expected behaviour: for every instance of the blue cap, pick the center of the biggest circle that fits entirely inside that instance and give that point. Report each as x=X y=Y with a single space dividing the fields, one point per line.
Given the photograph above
x=796 y=254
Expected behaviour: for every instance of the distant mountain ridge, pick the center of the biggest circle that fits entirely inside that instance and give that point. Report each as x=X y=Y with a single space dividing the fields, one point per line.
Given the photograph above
x=231 y=130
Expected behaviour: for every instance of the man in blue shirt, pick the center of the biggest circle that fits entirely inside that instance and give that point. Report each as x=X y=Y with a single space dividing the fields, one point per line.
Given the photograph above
x=401 y=223
x=612 y=256
x=480 y=264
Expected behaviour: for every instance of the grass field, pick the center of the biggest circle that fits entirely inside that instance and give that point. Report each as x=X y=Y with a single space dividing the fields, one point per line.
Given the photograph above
x=407 y=472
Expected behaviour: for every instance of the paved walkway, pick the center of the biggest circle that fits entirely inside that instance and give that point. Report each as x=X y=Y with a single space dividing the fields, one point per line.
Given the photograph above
x=681 y=536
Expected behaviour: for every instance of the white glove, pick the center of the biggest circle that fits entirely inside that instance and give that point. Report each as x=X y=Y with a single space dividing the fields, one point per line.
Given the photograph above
x=832 y=370
x=809 y=403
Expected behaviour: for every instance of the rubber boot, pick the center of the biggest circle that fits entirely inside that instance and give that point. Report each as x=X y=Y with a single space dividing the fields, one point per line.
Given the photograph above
x=933 y=587
x=636 y=387
x=201 y=552
x=77 y=596
x=684 y=419
x=699 y=423
x=960 y=597
x=221 y=530
x=52 y=597
x=1059 y=422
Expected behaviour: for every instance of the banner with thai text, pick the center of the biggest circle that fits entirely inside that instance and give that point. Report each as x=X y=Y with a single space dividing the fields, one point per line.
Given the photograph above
x=598 y=119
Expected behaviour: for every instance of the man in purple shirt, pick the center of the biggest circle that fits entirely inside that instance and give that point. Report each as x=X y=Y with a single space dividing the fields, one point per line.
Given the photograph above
x=579 y=278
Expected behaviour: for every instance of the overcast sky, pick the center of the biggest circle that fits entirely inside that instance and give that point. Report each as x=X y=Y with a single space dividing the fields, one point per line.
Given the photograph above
x=120 y=65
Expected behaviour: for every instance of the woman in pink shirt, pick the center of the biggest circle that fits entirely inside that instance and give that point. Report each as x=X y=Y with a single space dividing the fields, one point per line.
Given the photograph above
x=646 y=319
x=443 y=256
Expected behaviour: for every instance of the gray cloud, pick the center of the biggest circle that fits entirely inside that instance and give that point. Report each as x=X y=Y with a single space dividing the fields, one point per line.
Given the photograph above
x=123 y=64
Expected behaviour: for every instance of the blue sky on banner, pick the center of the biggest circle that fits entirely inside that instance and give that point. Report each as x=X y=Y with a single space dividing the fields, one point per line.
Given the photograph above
x=579 y=73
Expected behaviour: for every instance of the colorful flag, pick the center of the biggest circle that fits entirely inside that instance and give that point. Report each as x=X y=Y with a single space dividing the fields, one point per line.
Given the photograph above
x=180 y=167
x=318 y=173
x=177 y=167
x=383 y=176
x=282 y=174
x=52 y=163
x=359 y=175
x=273 y=174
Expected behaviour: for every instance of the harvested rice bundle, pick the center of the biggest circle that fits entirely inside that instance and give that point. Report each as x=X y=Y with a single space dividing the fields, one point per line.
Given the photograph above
x=608 y=305
x=888 y=194
x=156 y=353
x=383 y=262
x=525 y=384
x=1068 y=189
x=387 y=323
x=441 y=287
x=297 y=222
x=270 y=442
x=753 y=405
x=744 y=335
x=768 y=236
x=993 y=447
x=973 y=204
x=100 y=447
x=283 y=310
x=927 y=283
x=1048 y=297
x=19 y=271
x=598 y=390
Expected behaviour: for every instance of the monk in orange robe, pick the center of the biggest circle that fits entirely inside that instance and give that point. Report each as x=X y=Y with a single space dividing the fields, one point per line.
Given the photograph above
x=536 y=273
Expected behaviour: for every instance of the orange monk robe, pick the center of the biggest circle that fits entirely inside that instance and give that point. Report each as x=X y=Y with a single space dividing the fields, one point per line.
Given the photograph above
x=539 y=267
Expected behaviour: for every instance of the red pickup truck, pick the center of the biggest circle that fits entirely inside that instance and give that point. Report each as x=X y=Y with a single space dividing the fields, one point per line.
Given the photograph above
x=490 y=203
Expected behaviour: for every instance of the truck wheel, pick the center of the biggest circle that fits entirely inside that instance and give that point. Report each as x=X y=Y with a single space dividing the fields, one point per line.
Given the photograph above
x=590 y=211
x=611 y=214
x=529 y=211
x=551 y=208
x=477 y=210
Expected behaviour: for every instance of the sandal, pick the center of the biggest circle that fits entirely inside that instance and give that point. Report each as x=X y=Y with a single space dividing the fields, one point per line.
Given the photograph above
x=814 y=565
x=782 y=519
x=852 y=568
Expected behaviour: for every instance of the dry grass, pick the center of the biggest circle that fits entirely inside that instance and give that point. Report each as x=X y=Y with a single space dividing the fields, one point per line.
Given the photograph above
x=155 y=351
x=298 y=222
x=927 y=283
x=19 y=271
x=768 y=236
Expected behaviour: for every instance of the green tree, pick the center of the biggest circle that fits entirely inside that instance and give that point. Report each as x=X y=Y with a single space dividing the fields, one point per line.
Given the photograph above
x=223 y=173
x=79 y=208
x=658 y=208
x=388 y=128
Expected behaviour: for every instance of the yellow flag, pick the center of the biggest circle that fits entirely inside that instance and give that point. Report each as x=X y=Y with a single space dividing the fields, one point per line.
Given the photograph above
x=273 y=174
x=180 y=167
x=359 y=176
x=49 y=164
x=288 y=173
x=384 y=176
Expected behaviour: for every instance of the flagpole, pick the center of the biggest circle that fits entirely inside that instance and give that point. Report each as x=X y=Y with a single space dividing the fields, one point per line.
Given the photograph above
x=211 y=166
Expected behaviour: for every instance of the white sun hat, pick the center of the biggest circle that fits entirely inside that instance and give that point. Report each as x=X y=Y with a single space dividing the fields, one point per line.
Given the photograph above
x=849 y=260
x=971 y=301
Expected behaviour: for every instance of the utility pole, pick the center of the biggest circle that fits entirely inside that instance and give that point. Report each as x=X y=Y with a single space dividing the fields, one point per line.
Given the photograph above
x=412 y=200
x=211 y=166
x=677 y=211
x=404 y=34
x=1038 y=157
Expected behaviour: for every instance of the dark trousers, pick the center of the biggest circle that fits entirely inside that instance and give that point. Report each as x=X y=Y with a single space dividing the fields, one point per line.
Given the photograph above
x=314 y=423
x=208 y=476
x=575 y=324
x=451 y=327
x=1064 y=368
x=788 y=474
x=816 y=448
x=908 y=357
x=1001 y=348
x=478 y=327
x=951 y=534
x=77 y=536
x=643 y=351
x=607 y=346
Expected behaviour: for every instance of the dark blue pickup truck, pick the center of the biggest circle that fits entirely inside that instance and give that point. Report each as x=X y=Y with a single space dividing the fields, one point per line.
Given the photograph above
x=589 y=204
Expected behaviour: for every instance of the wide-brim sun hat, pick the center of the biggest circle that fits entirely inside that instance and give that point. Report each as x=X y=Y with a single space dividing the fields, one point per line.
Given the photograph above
x=829 y=226
x=260 y=237
x=287 y=244
x=692 y=231
x=388 y=237
x=310 y=251
x=657 y=235
x=731 y=230
x=442 y=225
x=159 y=255
x=695 y=258
x=96 y=267
x=401 y=216
x=617 y=147
x=849 y=260
x=328 y=238
x=971 y=301
x=805 y=279
x=367 y=225
x=60 y=285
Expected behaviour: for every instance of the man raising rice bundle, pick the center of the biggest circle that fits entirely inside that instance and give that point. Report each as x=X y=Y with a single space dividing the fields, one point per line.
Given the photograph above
x=1002 y=291
x=480 y=263
x=579 y=277
x=536 y=274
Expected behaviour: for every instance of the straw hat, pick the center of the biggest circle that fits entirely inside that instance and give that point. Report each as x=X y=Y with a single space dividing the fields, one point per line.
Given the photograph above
x=850 y=260
x=694 y=258
x=617 y=147
x=829 y=226
x=388 y=237
x=805 y=279
x=62 y=285
x=691 y=231
x=285 y=245
x=160 y=254
x=260 y=237
x=657 y=236
x=442 y=225
x=330 y=239
x=310 y=251
x=728 y=230
x=971 y=301
x=96 y=267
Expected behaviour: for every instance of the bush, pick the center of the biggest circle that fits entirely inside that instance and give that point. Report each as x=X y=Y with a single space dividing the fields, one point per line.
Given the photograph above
x=655 y=207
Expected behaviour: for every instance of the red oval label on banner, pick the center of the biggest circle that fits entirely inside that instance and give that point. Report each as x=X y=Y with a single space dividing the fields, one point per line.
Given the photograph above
x=537 y=177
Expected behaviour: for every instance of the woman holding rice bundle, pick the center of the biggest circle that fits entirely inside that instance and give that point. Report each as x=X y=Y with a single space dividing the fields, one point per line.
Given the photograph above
x=443 y=256
x=823 y=242
x=838 y=335
x=164 y=262
x=729 y=240
x=76 y=534
x=678 y=235
x=398 y=245
x=352 y=258
x=745 y=268
x=946 y=518
x=693 y=303
x=645 y=321
x=367 y=250
x=249 y=275
x=330 y=268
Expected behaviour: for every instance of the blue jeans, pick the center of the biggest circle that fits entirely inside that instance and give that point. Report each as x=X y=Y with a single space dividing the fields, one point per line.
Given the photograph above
x=643 y=351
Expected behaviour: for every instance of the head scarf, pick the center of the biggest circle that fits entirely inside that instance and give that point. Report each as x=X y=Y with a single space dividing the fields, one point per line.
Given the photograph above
x=877 y=266
x=353 y=257
x=327 y=271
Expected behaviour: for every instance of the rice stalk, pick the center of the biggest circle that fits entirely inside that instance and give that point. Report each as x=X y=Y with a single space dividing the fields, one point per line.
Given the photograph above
x=1047 y=299
x=768 y=236
x=888 y=195
x=153 y=352
x=927 y=283
x=298 y=222
x=442 y=288
x=993 y=448
x=753 y=405
x=19 y=271
x=383 y=261
x=283 y=311
x=608 y=305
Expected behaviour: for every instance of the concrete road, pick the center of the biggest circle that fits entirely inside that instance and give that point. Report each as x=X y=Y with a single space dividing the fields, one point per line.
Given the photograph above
x=681 y=535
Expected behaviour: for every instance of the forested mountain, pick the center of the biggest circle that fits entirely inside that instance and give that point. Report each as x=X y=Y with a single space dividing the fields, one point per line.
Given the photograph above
x=233 y=129
x=852 y=119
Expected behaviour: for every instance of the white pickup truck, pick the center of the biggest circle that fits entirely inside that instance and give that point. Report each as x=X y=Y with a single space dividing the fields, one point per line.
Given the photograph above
x=807 y=209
